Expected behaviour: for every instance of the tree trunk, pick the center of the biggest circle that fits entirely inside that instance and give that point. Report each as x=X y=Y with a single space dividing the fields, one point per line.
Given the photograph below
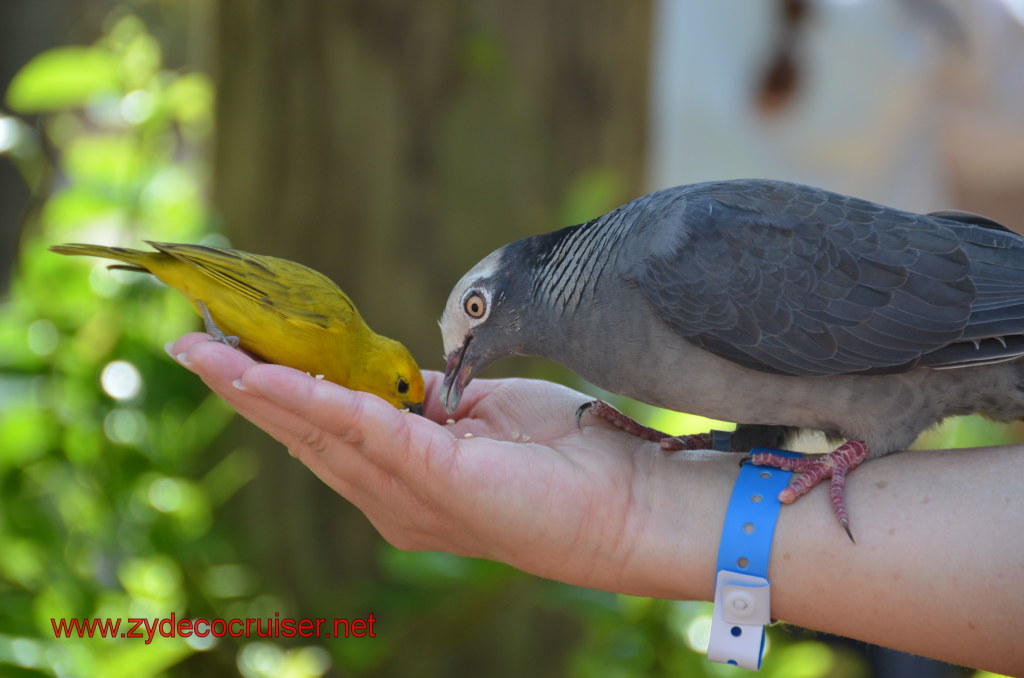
x=391 y=145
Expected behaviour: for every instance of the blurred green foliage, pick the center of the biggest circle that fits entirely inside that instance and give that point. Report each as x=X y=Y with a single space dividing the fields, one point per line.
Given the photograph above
x=110 y=483
x=108 y=466
x=108 y=490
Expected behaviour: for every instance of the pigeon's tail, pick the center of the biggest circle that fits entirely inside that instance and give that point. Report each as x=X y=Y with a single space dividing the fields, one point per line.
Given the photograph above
x=1015 y=403
x=995 y=391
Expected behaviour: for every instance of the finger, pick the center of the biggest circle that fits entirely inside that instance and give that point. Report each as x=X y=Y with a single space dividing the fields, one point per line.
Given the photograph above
x=224 y=372
x=225 y=357
x=355 y=442
x=383 y=434
x=519 y=410
x=432 y=407
x=221 y=368
x=285 y=416
x=396 y=509
x=377 y=463
x=418 y=467
x=176 y=349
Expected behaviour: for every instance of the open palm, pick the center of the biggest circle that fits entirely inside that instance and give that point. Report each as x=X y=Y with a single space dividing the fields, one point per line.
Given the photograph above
x=512 y=479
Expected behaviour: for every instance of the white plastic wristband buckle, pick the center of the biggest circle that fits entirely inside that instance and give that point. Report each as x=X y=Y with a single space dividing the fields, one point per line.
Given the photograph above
x=742 y=589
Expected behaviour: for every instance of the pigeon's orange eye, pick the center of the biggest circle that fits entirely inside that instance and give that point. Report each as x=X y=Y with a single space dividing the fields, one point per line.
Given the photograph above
x=475 y=305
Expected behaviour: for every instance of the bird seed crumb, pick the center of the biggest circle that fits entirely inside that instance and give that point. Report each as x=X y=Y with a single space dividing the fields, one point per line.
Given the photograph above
x=467 y=435
x=515 y=435
x=449 y=421
x=319 y=376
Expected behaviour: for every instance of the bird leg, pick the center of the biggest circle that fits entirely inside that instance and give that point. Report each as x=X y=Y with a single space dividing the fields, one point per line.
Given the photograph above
x=215 y=332
x=602 y=410
x=815 y=469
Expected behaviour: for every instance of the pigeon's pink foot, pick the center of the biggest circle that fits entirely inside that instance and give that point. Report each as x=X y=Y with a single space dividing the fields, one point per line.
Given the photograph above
x=693 y=441
x=602 y=410
x=814 y=469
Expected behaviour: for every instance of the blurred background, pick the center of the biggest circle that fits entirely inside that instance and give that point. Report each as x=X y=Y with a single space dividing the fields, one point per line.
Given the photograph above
x=391 y=145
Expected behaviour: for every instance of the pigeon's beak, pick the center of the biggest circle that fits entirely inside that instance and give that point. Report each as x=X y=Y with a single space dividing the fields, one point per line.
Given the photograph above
x=459 y=370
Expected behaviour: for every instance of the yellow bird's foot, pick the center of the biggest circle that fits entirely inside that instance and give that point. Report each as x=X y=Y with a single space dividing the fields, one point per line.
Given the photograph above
x=215 y=332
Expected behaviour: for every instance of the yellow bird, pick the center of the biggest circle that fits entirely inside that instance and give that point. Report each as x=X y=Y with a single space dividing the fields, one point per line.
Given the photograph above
x=281 y=311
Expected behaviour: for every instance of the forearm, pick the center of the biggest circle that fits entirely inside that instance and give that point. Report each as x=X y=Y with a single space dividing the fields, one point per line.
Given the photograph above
x=938 y=567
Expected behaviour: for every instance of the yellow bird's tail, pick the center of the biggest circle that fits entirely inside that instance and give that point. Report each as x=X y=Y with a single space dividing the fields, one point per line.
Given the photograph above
x=134 y=260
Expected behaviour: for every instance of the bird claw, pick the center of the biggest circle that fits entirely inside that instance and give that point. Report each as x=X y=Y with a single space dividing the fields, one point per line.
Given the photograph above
x=693 y=441
x=216 y=334
x=227 y=340
x=583 y=408
x=813 y=470
x=602 y=410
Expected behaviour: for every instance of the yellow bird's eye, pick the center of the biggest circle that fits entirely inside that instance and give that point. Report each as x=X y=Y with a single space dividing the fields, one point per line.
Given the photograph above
x=475 y=305
x=403 y=386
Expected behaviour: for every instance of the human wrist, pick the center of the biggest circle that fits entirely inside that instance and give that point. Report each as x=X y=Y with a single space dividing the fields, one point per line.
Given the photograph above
x=675 y=555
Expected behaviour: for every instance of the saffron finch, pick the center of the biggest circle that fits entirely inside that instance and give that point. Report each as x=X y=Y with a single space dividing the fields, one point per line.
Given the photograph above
x=281 y=311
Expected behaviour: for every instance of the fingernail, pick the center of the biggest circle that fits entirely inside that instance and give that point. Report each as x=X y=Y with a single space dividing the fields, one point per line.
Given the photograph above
x=168 y=347
x=183 y=359
x=237 y=383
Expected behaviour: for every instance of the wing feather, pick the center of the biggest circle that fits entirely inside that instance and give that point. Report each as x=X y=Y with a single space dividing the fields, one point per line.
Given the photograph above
x=797 y=280
x=292 y=290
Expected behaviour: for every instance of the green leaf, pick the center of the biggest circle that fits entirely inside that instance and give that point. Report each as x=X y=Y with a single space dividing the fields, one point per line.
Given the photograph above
x=190 y=97
x=141 y=656
x=64 y=77
x=70 y=211
x=26 y=432
x=592 y=194
x=806 y=659
x=107 y=161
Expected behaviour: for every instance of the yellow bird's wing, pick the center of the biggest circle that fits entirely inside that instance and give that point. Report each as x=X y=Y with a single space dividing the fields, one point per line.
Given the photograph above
x=294 y=291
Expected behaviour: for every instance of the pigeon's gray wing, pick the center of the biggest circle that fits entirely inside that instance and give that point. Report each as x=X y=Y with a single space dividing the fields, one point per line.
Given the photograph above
x=796 y=280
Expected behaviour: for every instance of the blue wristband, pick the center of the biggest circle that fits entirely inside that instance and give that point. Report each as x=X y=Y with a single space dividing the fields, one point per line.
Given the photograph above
x=742 y=590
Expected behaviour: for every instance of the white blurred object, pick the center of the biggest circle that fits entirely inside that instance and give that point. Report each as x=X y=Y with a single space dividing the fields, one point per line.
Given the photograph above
x=888 y=93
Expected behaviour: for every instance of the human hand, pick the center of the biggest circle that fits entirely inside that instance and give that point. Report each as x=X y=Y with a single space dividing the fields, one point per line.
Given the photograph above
x=597 y=507
x=514 y=478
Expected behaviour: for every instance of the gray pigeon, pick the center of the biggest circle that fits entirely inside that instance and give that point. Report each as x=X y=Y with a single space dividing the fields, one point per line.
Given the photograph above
x=775 y=305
